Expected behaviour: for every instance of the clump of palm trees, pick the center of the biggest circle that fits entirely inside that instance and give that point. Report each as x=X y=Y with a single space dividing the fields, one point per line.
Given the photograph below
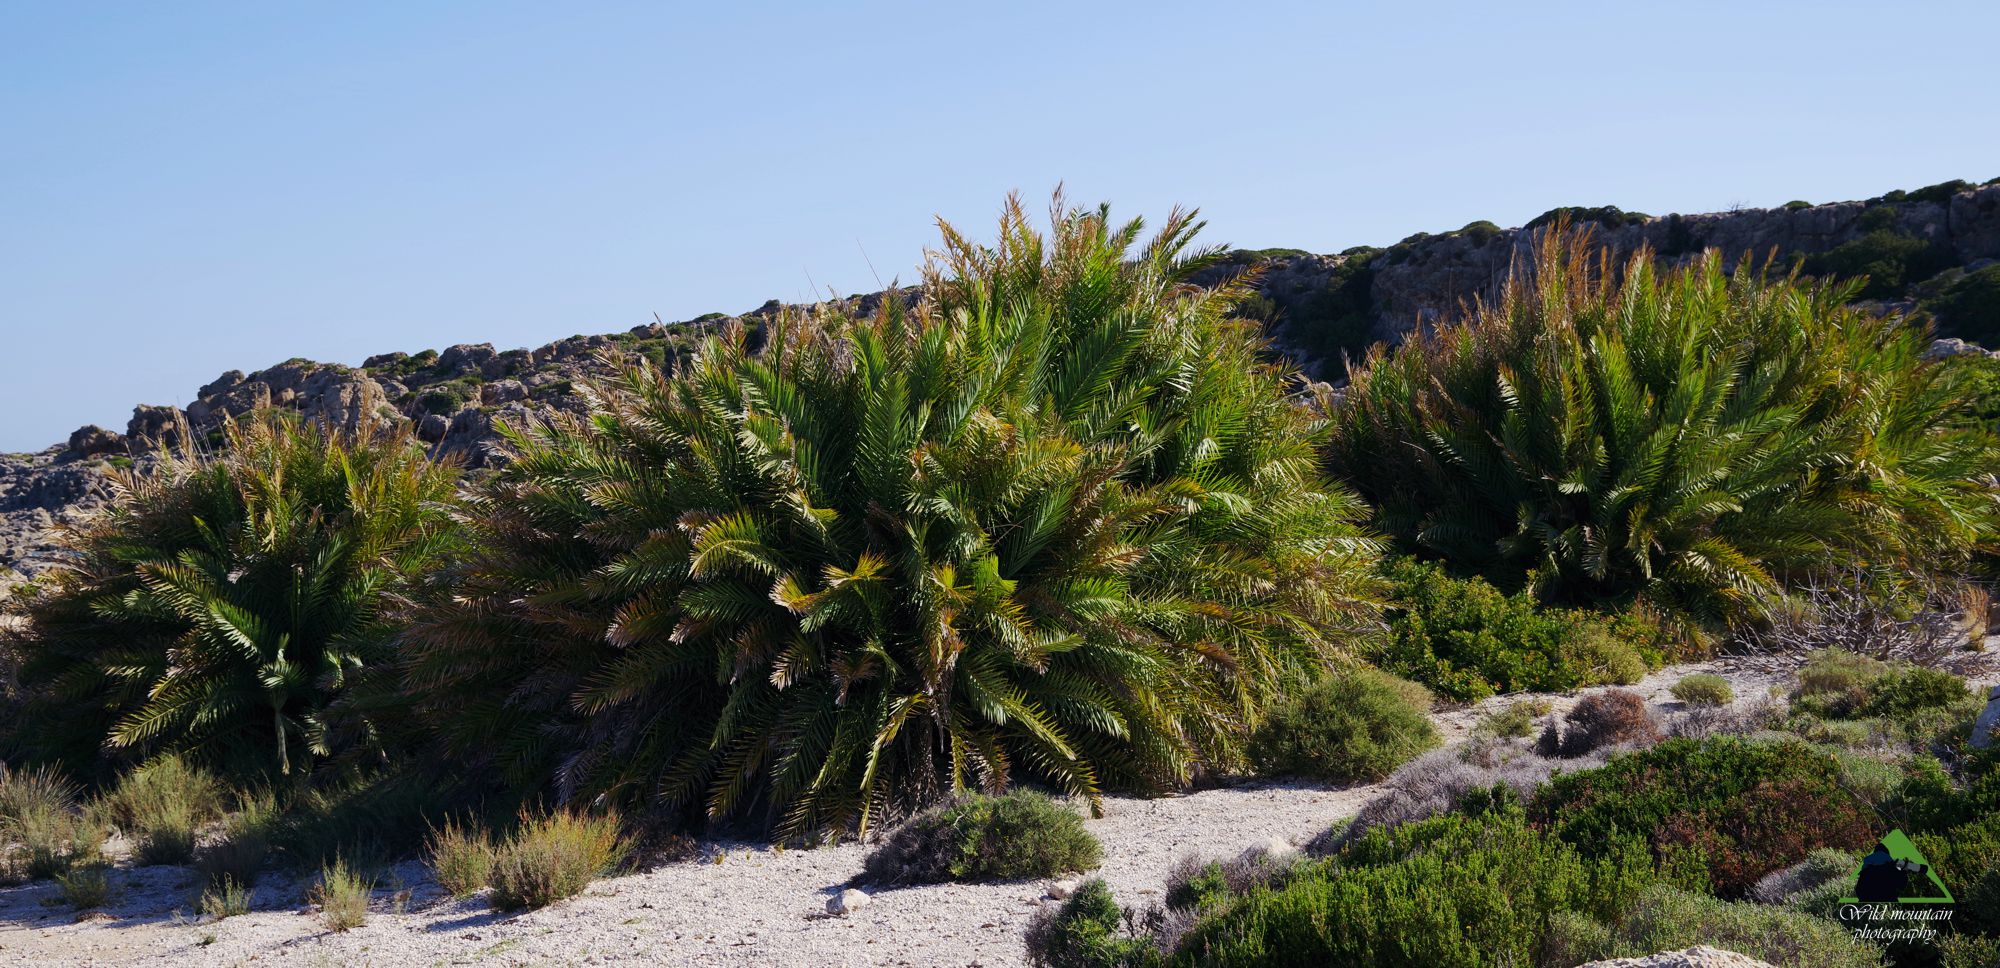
x=1056 y=521
x=1696 y=438
x=235 y=607
x=1060 y=521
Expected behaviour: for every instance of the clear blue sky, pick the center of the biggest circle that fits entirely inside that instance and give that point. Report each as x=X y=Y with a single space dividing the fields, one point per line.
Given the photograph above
x=191 y=187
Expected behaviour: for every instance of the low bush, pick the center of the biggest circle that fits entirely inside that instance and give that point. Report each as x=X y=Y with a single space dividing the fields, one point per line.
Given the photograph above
x=162 y=806
x=1667 y=919
x=1356 y=724
x=382 y=816
x=1969 y=308
x=1614 y=717
x=1197 y=884
x=225 y=898
x=1912 y=689
x=1704 y=689
x=342 y=896
x=238 y=854
x=1086 y=931
x=1820 y=867
x=1468 y=640
x=1447 y=779
x=552 y=858
x=41 y=832
x=1836 y=682
x=86 y=887
x=461 y=858
x=1515 y=721
x=1450 y=891
x=1744 y=809
x=983 y=838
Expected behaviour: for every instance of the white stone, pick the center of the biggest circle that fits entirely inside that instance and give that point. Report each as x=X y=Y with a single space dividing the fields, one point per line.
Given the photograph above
x=846 y=902
x=1274 y=849
x=1699 y=956
x=1062 y=889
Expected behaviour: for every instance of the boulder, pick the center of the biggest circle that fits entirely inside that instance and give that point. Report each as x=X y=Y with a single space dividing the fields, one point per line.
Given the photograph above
x=91 y=440
x=221 y=384
x=846 y=902
x=502 y=391
x=464 y=358
x=1063 y=888
x=432 y=428
x=344 y=402
x=1273 y=849
x=1699 y=956
x=161 y=426
x=1986 y=729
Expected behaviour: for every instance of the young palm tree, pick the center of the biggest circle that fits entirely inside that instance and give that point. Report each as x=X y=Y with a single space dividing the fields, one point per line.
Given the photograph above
x=1057 y=521
x=228 y=604
x=1694 y=437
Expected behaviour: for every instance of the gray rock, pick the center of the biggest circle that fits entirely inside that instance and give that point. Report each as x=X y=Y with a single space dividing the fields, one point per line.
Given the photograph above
x=464 y=358
x=91 y=440
x=1273 y=849
x=1699 y=956
x=432 y=428
x=846 y=902
x=1986 y=729
x=157 y=426
x=502 y=391
x=221 y=384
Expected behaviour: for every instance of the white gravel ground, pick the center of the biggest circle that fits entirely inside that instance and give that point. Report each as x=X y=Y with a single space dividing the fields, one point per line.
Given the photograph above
x=753 y=906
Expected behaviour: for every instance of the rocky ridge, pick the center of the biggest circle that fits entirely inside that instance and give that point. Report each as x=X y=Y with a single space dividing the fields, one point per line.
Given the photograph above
x=1316 y=307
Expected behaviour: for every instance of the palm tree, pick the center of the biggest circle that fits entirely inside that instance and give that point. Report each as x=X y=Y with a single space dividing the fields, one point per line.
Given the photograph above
x=1693 y=437
x=1056 y=521
x=228 y=604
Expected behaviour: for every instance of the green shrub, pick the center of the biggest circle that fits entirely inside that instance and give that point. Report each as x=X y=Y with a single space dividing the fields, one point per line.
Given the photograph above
x=1557 y=438
x=380 y=816
x=461 y=858
x=1516 y=721
x=1467 y=640
x=1969 y=308
x=1912 y=689
x=225 y=898
x=1667 y=919
x=552 y=858
x=342 y=896
x=1961 y=951
x=86 y=887
x=1355 y=724
x=1085 y=932
x=162 y=806
x=226 y=603
x=1888 y=259
x=1796 y=204
x=981 y=838
x=1745 y=809
x=1704 y=689
x=1449 y=892
x=42 y=833
x=1057 y=522
x=238 y=854
x=1836 y=682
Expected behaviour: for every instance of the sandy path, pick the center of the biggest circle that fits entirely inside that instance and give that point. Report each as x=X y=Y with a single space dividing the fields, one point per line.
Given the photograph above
x=757 y=907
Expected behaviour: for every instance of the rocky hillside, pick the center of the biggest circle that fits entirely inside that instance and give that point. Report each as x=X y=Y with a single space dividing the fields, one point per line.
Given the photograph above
x=1936 y=248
